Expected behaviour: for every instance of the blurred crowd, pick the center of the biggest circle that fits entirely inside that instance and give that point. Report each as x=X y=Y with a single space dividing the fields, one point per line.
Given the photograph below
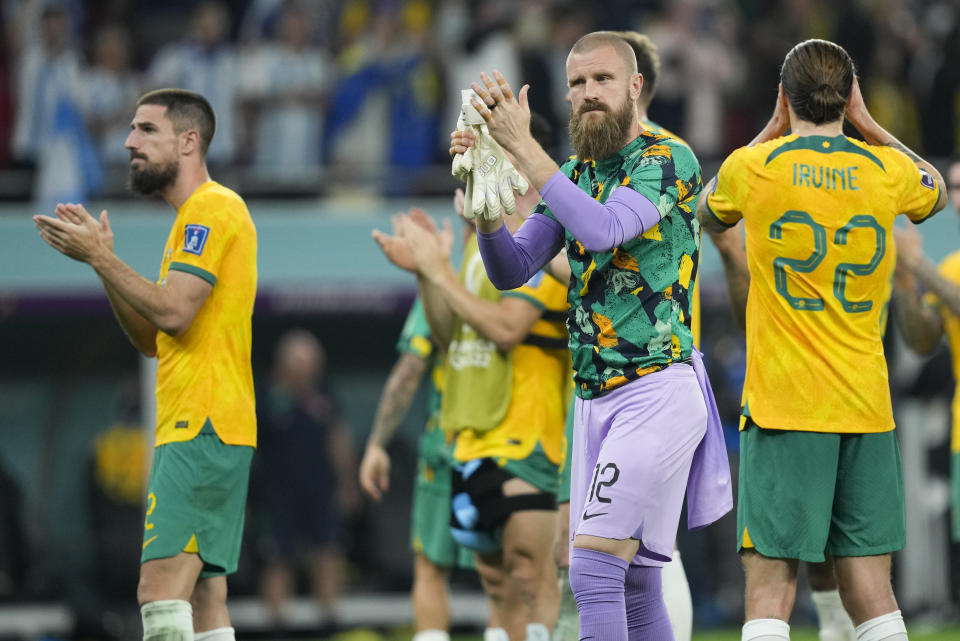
x=316 y=92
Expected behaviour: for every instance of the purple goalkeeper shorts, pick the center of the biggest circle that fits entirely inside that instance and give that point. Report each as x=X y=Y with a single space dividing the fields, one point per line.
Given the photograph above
x=632 y=450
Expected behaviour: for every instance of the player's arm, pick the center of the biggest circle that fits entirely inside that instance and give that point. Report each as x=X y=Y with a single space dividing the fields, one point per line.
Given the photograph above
x=708 y=222
x=733 y=253
x=170 y=309
x=505 y=322
x=440 y=316
x=921 y=324
x=141 y=332
x=395 y=400
x=874 y=134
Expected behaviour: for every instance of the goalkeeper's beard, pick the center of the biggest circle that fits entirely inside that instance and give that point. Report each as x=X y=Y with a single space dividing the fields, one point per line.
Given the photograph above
x=152 y=179
x=596 y=138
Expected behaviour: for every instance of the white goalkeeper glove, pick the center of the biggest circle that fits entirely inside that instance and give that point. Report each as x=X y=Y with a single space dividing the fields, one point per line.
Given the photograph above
x=490 y=177
x=494 y=180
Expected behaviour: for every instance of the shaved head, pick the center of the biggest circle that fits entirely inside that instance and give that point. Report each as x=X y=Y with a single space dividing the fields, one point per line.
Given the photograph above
x=599 y=39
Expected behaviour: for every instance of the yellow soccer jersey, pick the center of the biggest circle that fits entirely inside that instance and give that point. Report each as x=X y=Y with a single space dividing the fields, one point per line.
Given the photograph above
x=538 y=393
x=818 y=213
x=205 y=374
x=950 y=269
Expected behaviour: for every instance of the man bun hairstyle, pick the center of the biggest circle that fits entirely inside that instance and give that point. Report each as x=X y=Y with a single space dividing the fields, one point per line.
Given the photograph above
x=186 y=110
x=817 y=76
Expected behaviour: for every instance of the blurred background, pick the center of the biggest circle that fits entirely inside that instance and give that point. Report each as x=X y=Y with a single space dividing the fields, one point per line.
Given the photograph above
x=333 y=115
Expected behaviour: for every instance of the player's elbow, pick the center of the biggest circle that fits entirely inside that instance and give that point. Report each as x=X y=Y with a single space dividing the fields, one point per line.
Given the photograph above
x=505 y=282
x=175 y=323
x=507 y=337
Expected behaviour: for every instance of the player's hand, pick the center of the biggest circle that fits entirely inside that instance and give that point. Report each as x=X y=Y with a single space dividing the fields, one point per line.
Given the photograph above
x=394 y=247
x=507 y=116
x=430 y=249
x=444 y=234
x=375 y=471
x=779 y=122
x=77 y=234
x=461 y=141
x=72 y=213
x=856 y=111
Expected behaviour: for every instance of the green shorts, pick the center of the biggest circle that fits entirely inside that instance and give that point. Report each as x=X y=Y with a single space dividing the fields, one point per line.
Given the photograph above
x=806 y=494
x=536 y=469
x=430 y=521
x=196 y=500
x=563 y=491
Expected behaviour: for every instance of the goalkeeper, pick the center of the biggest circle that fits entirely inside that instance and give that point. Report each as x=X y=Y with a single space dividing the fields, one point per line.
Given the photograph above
x=506 y=369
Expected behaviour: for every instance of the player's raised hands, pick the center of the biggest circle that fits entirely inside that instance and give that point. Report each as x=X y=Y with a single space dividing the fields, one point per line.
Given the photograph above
x=779 y=122
x=394 y=248
x=429 y=246
x=507 y=116
x=75 y=233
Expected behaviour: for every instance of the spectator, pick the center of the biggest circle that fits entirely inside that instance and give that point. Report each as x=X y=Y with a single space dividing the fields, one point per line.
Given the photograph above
x=307 y=475
x=284 y=89
x=47 y=73
x=205 y=62
x=108 y=88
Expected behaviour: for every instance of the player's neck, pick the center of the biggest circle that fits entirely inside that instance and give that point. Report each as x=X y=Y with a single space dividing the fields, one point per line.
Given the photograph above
x=189 y=179
x=807 y=128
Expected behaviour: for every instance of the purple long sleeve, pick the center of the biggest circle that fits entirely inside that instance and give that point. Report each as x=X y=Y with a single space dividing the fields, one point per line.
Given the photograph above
x=513 y=260
x=599 y=226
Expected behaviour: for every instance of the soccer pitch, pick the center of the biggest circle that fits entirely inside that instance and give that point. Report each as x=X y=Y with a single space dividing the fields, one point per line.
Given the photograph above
x=725 y=634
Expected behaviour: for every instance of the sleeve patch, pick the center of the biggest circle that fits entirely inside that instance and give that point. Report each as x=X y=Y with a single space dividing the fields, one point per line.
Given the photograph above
x=195 y=239
x=927 y=180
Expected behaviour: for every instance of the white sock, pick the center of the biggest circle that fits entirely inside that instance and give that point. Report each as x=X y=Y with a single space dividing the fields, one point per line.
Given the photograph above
x=765 y=630
x=431 y=635
x=537 y=632
x=835 y=623
x=886 y=627
x=216 y=634
x=676 y=596
x=169 y=620
x=495 y=634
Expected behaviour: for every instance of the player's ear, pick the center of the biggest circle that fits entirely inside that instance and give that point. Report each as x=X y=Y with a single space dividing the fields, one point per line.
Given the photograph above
x=636 y=86
x=189 y=142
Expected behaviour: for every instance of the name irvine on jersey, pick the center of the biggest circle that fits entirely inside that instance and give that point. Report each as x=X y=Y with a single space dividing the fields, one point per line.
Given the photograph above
x=821 y=177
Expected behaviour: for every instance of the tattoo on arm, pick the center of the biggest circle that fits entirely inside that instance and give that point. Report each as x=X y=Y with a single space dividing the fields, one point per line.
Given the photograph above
x=899 y=146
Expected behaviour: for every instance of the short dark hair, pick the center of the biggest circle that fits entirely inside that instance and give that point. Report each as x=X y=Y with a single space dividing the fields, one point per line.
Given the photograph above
x=817 y=76
x=186 y=110
x=648 y=62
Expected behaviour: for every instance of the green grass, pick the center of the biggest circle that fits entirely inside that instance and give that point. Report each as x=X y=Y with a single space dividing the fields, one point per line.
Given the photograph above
x=719 y=634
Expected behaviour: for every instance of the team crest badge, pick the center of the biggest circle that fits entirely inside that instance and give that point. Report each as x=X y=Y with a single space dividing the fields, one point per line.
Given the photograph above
x=195 y=238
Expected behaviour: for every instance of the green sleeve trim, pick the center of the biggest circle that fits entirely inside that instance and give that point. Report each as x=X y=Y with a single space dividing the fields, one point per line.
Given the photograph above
x=717 y=218
x=527 y=297
x=196 y=271
x=930 y=213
